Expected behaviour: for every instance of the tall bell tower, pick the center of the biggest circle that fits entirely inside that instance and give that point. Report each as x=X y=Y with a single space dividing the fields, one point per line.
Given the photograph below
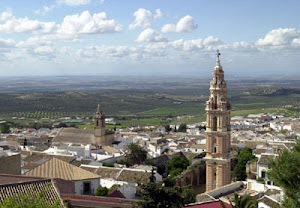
x=99 y=123
x=217 y=131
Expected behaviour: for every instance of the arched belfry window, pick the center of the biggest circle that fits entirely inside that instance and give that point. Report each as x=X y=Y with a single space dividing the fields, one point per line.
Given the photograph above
x=215 y=148
x=216 y=102
x=97 y=123
x=214 y=124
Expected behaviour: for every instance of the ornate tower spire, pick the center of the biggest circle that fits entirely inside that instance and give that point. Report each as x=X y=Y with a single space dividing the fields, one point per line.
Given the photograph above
x=217 y=131
x=99 y=112
x=218 y=65
x=99 y=118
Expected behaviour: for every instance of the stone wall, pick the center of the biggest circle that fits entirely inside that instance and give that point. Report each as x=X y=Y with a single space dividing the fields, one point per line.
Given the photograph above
x=196 y=176
x=11 y=164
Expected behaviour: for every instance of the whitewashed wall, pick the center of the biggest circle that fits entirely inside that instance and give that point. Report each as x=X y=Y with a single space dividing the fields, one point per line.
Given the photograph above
x=79 y=185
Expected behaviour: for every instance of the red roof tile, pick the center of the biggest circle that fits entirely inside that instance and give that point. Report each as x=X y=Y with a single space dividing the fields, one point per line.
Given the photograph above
x=212 y=204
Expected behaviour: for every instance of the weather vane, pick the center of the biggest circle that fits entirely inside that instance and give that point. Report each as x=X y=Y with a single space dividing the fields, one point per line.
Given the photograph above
x=218 y=53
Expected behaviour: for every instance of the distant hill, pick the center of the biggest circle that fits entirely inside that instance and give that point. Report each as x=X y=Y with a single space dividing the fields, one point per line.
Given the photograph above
x=273 y=91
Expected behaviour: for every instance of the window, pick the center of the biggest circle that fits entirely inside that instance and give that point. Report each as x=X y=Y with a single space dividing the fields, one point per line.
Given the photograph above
x=263 y=174
x=215 y=149
x=216 y=101
x=87 y=187
x=214 y=124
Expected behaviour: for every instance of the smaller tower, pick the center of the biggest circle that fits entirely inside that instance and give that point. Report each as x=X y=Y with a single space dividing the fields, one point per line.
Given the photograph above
x=99 y=123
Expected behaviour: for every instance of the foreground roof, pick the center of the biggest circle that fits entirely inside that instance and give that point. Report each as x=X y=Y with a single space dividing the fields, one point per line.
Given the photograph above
x=32 y=188
x=56 y=168
x=11 y=179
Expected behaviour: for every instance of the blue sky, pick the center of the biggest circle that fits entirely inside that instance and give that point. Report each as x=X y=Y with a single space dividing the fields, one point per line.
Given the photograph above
x=126 y=37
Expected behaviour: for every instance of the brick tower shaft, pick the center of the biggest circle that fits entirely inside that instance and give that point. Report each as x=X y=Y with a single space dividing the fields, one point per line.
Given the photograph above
x=217 y=131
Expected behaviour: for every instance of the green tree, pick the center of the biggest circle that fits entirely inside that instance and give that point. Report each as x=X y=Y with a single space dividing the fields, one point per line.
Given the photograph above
x=285 y=172
x=4 y=128
x=239 y=172
x=176 y=165
x=241 y=202
x=62 y=125
x=101 y=191
x=168 y=128
x=155 y=195
x=182 y=127
x=188 y=195
x=135 y=155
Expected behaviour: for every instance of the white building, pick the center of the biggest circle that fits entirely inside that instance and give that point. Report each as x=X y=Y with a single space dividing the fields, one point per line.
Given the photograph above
x=262 y=167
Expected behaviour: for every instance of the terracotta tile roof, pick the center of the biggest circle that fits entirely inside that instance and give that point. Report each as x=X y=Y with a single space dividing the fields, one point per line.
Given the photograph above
x=211 y=204
x=98 y=201
x=73 y=135
x=134 y=176
x=11 y=137
x=265 y=159
x=198 y=146
x=110 y=149
x=56 y=168
x=259 y=151
x=11 y=179
x=34 y=157
x=121 y=174
x=39 y=158
x=30 y=166
x=268 y=201
x=30 y=187
x=117 y=194
x=13 y=143
x=91 y=169
x=108 y=172
x=270 y=192
x=80 y=162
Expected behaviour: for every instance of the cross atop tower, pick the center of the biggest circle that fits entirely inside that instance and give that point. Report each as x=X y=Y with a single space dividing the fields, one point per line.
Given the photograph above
x=218 y=57
x=218 y=53
x=99 y=112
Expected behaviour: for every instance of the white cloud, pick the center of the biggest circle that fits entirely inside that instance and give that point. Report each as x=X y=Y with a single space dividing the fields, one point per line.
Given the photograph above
x=72 y=25
x=296 y=42
x=158 y=13
x=33 y=41
x=7 y=43
x=45 y=9
x=73 y=2
x=6 y=15
x=87 y=24
x=144 y=18
x=44 y=50
x=185 y=24
x=154 y=50
x=24 y=25
x=279 y=37
x=150 y=35
x=157 y=50
x=211 y=41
